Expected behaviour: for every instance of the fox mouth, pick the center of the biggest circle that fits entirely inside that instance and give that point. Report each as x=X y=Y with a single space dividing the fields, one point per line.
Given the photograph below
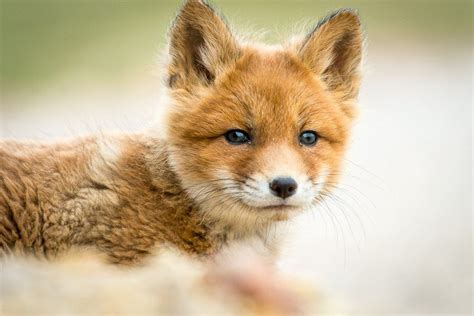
x=281 y=206
x=278 y=207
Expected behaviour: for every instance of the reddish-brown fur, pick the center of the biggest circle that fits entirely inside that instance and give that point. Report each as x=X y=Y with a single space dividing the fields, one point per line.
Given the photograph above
x=128 y=195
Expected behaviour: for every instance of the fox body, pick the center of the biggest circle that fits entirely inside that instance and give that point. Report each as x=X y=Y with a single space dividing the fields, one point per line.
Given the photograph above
x=254 y=135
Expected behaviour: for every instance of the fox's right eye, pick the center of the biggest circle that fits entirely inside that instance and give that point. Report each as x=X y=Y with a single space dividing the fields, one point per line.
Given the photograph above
x=237 y=137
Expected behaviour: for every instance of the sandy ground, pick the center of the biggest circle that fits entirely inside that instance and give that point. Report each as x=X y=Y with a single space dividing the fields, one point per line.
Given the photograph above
x=397 y=236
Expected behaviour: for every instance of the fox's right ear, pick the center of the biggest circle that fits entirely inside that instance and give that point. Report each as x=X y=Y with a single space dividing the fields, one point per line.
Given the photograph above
x=200 y=46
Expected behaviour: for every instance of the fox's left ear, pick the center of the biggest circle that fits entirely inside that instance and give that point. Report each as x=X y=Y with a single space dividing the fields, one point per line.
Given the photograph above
x=200 y=46
x=333 y=50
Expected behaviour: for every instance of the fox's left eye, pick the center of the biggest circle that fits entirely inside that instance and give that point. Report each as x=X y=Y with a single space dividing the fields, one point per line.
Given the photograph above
x=237 y=137
x=308 y=138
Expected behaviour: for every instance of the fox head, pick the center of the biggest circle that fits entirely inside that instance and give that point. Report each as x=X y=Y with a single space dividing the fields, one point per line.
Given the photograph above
x=257 y=133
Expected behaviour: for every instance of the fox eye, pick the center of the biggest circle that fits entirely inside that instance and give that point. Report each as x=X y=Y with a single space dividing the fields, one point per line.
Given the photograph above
x=237 y=137
x=308 y=138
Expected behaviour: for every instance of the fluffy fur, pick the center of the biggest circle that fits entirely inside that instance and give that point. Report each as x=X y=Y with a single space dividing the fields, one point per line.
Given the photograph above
x=128 y=195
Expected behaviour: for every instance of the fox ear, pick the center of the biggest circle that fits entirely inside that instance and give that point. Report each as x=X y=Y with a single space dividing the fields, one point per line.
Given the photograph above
x=333 y=50
x=200 y=46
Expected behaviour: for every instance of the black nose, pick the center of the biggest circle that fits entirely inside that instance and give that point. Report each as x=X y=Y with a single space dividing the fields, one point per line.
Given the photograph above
x=283 y=187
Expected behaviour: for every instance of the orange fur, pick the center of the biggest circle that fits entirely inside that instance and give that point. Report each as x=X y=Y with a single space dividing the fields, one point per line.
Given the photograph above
x=128 y=195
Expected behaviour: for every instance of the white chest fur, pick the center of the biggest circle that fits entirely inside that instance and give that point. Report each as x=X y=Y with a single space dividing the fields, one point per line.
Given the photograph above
x=262 y=246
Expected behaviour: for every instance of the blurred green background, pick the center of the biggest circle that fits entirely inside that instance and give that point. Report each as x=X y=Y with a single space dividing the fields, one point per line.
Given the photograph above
x=45 y=40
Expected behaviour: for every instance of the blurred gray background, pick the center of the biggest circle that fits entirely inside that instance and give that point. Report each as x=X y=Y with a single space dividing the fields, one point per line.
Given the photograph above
x=397 y=237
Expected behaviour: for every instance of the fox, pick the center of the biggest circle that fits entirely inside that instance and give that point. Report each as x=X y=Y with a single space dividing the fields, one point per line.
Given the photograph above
x=254 y=135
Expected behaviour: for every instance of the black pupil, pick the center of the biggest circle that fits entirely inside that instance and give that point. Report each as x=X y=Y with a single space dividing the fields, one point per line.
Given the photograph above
x=237 y=137
x=308 y=138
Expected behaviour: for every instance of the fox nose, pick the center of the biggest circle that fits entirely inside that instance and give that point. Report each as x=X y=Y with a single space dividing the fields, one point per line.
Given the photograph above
x=283 y=187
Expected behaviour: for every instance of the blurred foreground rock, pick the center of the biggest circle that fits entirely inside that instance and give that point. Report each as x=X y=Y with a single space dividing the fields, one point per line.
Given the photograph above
x=82 y=284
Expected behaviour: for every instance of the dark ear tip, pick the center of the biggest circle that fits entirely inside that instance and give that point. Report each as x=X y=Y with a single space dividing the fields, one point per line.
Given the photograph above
x=194 y=8
x=346 y=14
x=196 y=3
x=188 y=2
x=350 y=13
x=188 y=9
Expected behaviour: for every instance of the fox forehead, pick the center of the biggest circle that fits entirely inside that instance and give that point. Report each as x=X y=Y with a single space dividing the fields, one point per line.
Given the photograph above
x=272 y=95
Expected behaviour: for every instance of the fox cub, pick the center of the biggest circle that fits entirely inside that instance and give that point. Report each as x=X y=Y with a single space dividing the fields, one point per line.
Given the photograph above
x=255 y=134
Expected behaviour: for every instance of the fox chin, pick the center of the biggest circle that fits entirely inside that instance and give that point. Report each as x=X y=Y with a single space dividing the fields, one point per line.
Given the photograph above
x=254 y=135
